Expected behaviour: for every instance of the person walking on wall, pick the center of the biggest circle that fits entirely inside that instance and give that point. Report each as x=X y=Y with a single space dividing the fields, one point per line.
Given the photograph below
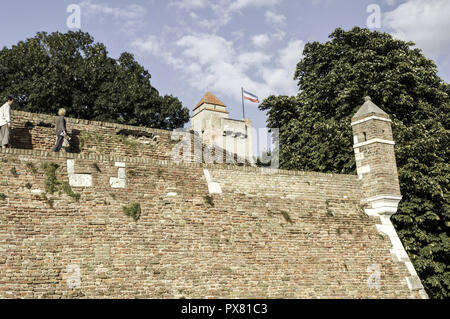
x=61 y=132
x=5 y=122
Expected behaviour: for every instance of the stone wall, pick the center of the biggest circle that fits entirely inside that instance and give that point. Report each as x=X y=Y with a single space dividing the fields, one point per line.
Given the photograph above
x=33 y=131
x=279 y=235
x=37 y=132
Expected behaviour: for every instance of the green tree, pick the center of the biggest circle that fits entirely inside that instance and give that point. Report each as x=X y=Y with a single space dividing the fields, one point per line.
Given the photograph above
x=315 y=132
x=70 y=70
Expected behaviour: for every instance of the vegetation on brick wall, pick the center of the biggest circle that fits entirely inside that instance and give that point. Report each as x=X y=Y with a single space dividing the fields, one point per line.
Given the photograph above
x=209 y=200
x=133 y=211
x=31 y=167
x=78 y=72
x=51 y=182
x=315 y=132
x=286 y=217
x=14 y=172
x=68 y=191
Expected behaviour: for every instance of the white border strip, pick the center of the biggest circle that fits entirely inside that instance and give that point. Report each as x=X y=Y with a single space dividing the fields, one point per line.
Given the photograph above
x=373 y=117
x=213 y=187
x=374 y=140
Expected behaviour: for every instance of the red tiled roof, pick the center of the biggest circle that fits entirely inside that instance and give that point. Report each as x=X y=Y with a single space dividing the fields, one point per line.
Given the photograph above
x=210 y=99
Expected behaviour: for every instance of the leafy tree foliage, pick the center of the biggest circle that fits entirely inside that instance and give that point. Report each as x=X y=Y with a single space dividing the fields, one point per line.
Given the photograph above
x=315 y=132
x=69 y=70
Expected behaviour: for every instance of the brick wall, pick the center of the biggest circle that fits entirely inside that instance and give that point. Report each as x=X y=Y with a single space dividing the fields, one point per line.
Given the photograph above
x=37 y=132
x=282 y=235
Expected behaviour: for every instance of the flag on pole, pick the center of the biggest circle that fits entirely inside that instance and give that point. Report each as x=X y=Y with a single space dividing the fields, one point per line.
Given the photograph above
x=251 y=97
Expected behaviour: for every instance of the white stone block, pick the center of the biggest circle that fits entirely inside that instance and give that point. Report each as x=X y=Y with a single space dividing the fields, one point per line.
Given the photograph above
x=115 y=182
x=363 y=169
x=359 y=156
x=214 y=188
x=414 y=283
x=70 y=166
x=119 y=164
x=37 y=192
x=121 y=173
x=80 y=180
x=207 y=175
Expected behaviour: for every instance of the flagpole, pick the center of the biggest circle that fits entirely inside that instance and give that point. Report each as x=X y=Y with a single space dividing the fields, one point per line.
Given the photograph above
x=243 y=109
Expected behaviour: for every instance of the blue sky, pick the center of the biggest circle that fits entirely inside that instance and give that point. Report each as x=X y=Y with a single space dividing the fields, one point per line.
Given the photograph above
x=190 y=46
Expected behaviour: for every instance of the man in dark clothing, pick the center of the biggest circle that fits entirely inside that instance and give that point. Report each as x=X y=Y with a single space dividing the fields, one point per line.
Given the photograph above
x=60 y=130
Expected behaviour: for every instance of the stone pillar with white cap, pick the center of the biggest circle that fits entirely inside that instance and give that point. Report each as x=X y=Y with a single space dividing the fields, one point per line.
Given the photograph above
x=377 y=169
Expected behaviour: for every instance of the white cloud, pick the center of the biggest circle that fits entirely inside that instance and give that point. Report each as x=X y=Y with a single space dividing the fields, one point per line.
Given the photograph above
x=222 y=11
x=189 y=4
x=281 y=77
x=275 y=19
x=152 y=45
x=424 y=22
x=211 y=61
x=247 y=60
x=290 y=55
x=241 y=4
x=261 y=40
x=205 y=48
x=131 y=17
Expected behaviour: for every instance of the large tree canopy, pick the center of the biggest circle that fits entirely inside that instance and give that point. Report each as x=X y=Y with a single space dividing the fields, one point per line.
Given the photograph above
x=71 y=71
x=315 y=132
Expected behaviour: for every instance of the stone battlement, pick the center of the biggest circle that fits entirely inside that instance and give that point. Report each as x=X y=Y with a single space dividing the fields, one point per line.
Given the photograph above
x=204 y=230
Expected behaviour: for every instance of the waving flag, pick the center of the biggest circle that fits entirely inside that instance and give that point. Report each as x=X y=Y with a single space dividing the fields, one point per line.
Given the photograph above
x=251 y=97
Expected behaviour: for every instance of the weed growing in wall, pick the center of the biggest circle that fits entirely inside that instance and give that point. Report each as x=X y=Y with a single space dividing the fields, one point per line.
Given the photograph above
x=28 y=185
x=209 y=200
x=14 y=172
x=31 y=167
x=362 y=210
x=287 y=217
x=51 y=182
x=68 y=190
x=160 y=173
x=48 y=201
x=132 y=172
x=329 y=212
x=2 y=196
x=131 y=144
x=133 y=211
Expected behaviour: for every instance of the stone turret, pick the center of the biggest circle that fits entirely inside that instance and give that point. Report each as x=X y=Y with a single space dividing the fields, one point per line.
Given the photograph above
x=375 y=157
x=377 y=168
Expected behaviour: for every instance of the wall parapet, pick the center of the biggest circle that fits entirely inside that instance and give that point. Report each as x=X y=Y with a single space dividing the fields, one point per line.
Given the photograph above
x=147 y=160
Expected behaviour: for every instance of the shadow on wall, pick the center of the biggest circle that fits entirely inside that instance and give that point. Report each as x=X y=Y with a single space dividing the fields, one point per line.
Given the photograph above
x=74 y=142
x=21 y=138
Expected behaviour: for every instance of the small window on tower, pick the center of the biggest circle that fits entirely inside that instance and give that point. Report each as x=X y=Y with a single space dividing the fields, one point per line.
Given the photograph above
x=365 y=137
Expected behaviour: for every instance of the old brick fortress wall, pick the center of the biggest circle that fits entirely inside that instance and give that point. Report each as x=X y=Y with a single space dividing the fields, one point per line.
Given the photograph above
x=37 y=132
x=268 y=234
